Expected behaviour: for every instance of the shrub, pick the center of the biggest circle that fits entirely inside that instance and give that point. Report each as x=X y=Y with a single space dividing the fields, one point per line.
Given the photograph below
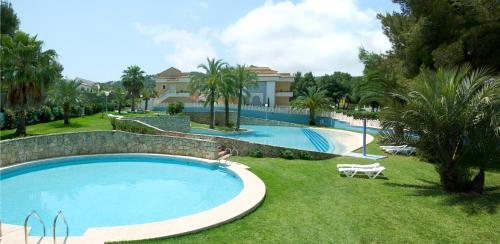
x=131 y=126
x=175 y=108
x=286 y=154
x=58 y=113
x=46 y=114
x=9 y=120
x=304 y=155
x=256 y=153
x=32 y=117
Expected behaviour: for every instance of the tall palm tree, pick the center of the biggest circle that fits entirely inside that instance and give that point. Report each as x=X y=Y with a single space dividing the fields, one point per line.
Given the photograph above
x=66 y=93
x=227 y=89
x=243 y=79
x=451 y=116
x=133 y=80
x=207 y=83
x=314 y=99
x=27 y=72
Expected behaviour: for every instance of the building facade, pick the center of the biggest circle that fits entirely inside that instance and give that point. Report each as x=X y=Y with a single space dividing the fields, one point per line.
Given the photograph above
x=273 y=88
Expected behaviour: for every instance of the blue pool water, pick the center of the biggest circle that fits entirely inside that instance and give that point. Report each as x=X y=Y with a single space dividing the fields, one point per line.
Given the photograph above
x=292 y=118
x=284 y=136
x=111 y=190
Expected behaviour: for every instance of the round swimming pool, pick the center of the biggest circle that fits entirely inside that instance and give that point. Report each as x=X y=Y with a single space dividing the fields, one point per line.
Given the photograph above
x=113 y=190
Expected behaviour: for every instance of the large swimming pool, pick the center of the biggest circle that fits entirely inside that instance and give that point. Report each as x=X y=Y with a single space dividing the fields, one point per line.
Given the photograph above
x=113 y=190
x=284 y=136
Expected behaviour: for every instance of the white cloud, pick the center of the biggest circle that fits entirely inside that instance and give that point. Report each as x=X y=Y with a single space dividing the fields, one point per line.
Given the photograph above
x=314 y=35
x=203 y=4
x=190 y=49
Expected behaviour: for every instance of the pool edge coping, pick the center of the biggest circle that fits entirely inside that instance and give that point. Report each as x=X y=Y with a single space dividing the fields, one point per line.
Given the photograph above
x=250 y=197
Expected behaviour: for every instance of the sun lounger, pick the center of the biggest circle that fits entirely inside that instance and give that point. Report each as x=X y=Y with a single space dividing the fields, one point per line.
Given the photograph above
x=392 y=147
x=372 y=173
x=365 y=166
x=404 y=150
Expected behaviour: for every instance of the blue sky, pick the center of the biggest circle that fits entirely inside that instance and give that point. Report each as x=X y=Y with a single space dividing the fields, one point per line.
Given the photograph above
x=97 y=40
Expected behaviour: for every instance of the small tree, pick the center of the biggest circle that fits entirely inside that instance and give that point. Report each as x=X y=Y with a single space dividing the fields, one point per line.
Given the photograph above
x=133 y=81
x=451 y=116
x=148 y=93
x=119 y=96
x=313 y=99
x=66 y=93
x=9 y=23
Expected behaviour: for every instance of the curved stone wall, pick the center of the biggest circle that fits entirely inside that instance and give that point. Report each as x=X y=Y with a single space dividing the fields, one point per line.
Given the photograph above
x=98 y=142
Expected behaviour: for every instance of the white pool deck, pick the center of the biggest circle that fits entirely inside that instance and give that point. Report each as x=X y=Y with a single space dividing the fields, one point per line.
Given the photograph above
x=250 y=197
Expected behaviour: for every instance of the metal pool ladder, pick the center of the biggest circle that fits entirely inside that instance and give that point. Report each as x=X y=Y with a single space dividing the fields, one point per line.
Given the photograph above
x=60 y=213
x=33 y=213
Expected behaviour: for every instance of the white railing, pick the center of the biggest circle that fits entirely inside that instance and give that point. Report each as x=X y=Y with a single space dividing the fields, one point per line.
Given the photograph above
x=289 y=110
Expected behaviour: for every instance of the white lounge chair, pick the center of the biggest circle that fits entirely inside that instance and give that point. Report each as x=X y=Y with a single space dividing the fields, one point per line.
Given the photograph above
x=403 y=150
x=392 y=147
x=372 y=173
x=365 y=166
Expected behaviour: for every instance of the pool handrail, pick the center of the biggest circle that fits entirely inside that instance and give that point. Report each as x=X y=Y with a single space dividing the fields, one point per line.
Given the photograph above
x=33 y=213
x=60 y=213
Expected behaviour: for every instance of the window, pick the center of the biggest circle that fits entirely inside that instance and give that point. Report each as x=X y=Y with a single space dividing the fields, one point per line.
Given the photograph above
x=163 y=87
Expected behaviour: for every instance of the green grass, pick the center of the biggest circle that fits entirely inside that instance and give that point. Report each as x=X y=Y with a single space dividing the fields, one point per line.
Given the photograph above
x=309 y=202
x=86 y=123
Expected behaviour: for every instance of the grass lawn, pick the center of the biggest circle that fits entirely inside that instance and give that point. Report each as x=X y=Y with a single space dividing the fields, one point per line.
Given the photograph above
x=309 y=202
x=86 y=123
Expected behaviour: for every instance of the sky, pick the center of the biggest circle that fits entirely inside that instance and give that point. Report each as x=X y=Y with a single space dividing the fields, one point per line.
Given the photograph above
x=97 y=40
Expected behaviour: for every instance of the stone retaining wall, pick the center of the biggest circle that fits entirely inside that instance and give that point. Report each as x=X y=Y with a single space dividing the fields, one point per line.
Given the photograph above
x=167 y=122
x=99 y=142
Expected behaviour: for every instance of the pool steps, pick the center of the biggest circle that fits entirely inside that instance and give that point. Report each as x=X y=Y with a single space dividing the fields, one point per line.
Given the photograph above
x=319 y=142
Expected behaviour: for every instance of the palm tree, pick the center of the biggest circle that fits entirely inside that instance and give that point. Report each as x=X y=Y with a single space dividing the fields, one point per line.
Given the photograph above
x=119 y=97
x=66 y=93
x=227 y=89
x=148 y=93
x=207 y=83
x=27 y=72
x=313 y=99
x=243 y=79
x=133 y=80
x=451 y=116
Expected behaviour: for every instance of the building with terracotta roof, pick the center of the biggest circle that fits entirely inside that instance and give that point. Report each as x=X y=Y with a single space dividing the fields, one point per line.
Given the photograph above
x=273 y=88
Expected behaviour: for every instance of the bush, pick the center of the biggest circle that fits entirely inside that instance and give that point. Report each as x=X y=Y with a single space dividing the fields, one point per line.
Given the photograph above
x=46 y=114
x=175 y=108
x=32 y=117
x=10 y=121
x=304 y=155
x=256 y=153
x=131 y=126
x=286 y=154
x=57 y=112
